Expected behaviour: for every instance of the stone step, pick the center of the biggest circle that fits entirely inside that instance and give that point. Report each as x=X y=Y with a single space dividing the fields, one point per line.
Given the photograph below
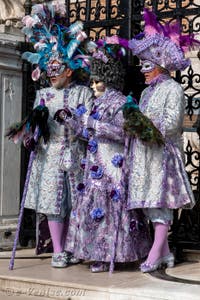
x=34 y=277
x=191 y=255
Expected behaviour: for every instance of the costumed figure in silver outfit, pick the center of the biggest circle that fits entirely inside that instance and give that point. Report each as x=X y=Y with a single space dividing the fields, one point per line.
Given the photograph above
x=55 y=172
x=158 y=182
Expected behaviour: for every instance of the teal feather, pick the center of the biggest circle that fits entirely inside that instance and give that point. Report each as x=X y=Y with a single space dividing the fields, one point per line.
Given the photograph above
x=138 y=125
x=37 y=117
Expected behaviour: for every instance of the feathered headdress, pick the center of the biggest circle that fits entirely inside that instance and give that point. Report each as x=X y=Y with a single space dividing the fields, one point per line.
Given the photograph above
x=106 y=65
x=52 y=40
x=110 y=46
x=162 y=44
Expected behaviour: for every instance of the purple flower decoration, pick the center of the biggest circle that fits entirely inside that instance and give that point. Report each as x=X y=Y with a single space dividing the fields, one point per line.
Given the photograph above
x=73 y=214
x=117 y=160
x=81 y=187
x=96 y=172
x=50 y=96
x=95 y=114
x=85 y=133
x=83 y=162
x=92 y=146
x=97 y=214
x=80 y=110
x=115 y=195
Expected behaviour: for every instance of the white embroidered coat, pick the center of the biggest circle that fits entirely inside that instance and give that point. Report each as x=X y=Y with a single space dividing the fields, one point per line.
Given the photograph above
x=46 y=176
x=157 y=175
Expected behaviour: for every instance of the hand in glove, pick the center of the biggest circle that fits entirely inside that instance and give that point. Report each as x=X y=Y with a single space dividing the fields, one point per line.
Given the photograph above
x=62 y=115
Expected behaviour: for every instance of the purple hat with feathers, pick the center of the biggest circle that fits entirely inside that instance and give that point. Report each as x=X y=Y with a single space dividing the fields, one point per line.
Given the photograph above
x=162 y=44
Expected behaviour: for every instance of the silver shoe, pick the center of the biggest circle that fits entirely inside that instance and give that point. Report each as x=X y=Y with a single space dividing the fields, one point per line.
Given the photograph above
x=98 y=267
x=73 y=260
x=59 y=260
x=168 y=260
x=147 y=267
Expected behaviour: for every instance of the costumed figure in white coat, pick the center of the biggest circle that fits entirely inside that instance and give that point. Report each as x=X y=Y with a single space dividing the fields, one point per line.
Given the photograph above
x=158 y=182
x=54 y=172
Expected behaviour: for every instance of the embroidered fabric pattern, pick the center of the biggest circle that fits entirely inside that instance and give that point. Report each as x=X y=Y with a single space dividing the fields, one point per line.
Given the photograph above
x=44 y=196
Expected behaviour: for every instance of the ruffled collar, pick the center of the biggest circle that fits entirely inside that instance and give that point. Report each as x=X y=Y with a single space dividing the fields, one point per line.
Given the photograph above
x=107 y=96
x=151 y=88
x=158 y=79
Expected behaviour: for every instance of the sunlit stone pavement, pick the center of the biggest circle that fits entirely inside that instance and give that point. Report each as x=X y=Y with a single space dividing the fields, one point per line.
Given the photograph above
x=33 y=278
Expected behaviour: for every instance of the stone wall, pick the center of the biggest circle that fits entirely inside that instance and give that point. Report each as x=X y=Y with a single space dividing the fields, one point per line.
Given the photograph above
x=10 y=111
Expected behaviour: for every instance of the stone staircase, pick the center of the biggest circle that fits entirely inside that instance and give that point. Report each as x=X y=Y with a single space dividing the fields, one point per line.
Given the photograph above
x=34 y=278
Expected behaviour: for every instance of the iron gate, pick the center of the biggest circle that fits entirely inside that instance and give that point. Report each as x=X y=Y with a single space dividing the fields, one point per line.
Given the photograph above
x=123 y=17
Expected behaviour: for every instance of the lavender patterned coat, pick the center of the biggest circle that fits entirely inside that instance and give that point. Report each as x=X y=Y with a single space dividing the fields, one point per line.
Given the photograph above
x=101 y=228
x=157 y=174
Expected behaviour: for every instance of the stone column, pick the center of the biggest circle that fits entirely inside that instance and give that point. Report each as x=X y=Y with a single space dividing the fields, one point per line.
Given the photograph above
x=10 y=112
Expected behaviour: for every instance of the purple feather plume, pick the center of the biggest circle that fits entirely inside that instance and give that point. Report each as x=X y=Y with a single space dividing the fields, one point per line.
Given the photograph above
x=123 y=42
x=188 y=42
x=152 y=25
x=169 y=30
x=172 y=31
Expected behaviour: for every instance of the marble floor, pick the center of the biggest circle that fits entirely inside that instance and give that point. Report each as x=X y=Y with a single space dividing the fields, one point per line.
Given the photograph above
x=33 y=278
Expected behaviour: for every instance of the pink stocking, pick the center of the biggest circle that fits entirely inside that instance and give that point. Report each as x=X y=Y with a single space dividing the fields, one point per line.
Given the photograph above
x=165 y=248
x=56 y=231
x=160 y=245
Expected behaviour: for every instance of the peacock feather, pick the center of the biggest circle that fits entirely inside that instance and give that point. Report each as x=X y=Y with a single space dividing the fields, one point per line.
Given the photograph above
x=138 y=125
x=37 y=117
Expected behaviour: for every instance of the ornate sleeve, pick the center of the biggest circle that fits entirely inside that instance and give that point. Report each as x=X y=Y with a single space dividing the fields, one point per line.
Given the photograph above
x=109 y=130
x=174 y=111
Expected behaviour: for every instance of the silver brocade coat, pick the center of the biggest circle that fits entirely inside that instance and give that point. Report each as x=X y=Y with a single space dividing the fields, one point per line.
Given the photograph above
x=157 y=175
x=46 y=179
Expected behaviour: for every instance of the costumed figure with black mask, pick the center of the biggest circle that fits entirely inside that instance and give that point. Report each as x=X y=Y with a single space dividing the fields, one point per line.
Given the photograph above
x=59 y=53
x=158 y=182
